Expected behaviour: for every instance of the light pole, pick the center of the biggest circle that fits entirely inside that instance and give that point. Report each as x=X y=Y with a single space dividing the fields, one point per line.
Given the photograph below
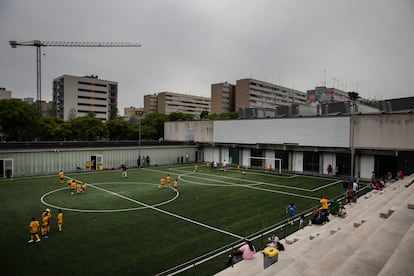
x=139 y=113
x=354 y=97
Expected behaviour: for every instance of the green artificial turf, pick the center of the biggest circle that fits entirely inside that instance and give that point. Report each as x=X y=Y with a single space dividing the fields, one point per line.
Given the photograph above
x=130 y=226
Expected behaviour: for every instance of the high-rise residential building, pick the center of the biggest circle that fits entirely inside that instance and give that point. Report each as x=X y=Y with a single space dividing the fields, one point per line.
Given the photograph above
x=5 y=94
x=222 y=97
x=77 y=96
x=150 y=103
x=169 y=102
x=252 y=93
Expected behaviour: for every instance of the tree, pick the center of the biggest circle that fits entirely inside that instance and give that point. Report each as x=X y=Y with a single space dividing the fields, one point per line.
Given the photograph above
x=118 y=130
x=19 y=121
x=54 y=129
x=178 y=116
x=88 y=128
x=156 y=121
x=204 y=115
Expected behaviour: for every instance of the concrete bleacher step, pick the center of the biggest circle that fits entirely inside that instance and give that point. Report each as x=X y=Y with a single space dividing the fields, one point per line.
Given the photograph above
x=340 y=237
x=379 y=247
x=344 y=249
x=400 y=263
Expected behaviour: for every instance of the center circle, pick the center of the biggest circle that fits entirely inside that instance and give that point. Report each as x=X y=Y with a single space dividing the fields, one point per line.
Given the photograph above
x=42 y=199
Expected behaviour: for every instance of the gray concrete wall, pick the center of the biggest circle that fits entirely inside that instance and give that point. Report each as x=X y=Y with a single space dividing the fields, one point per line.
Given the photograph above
x=384 y=131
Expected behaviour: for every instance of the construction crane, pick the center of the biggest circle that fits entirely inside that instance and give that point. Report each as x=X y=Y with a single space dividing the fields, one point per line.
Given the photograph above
x=38 y=44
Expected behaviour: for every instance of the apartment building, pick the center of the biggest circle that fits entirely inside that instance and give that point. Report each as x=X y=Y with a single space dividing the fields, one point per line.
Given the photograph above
x=5 y=94
x=77 y=96
x=252 y=93
x=169 y=102
x=222 y=97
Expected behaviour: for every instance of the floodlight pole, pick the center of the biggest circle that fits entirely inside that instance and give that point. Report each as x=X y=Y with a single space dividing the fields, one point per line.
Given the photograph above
x=139 y=113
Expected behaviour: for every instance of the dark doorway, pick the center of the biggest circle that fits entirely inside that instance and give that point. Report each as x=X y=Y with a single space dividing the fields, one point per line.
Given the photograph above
x=343 y=164
x=311 y=162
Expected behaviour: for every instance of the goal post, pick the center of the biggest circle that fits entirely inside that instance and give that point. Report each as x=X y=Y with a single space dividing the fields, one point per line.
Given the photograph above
x=266 y=163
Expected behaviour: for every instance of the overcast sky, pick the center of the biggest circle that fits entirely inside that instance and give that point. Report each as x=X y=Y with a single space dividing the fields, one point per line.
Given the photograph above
x=365 y=46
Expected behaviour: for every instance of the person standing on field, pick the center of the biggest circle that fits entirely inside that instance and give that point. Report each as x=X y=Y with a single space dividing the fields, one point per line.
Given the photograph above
x=168 y=180
x=175 y=185
x=124 y=171
x=290 y=210
x=61 y=176
x=162 y=182
x=34 y=230
x=60 y=220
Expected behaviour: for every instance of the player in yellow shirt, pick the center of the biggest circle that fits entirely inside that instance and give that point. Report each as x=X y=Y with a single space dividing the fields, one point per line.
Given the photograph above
x=175 y=185
x=195 y=168
x=60 y=220
x=46 y=213
x=72 y=187
x=34 y=230
x=162 y=182
x=168 y=180
x=45 y=222
x=61 y=175
x=78 y=188
x=324 y=203
x=83 y=187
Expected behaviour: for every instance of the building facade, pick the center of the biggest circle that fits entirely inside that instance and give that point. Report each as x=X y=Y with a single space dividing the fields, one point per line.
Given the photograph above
x=324 y=95
x=222 y=97
x=252 y=93
x=5 y=94
x=169 y=102
x=75 y=96
x=133 y=113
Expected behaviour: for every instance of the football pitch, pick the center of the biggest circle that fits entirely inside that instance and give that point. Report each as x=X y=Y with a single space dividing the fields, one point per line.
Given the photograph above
x=122 y=226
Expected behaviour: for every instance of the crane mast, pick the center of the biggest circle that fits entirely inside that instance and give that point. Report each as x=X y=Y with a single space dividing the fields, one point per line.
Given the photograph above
x=38 y=44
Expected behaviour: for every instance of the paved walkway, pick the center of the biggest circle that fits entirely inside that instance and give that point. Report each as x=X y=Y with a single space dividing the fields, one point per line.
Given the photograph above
x=375 y=238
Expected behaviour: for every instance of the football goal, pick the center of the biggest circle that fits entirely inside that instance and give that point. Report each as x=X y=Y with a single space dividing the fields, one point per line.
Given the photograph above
x=266 y=163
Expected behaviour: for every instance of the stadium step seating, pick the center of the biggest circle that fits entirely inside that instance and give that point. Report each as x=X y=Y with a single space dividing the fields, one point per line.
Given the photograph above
x=375 y=238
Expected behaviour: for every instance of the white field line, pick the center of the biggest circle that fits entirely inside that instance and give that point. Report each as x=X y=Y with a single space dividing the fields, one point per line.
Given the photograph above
x=42 y=199
x=168 y=213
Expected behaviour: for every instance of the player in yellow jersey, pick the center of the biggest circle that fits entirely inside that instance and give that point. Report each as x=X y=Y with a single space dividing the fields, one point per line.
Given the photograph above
x=168 y=180
x=34 y=230
x=46 y=213
x=78 y=188
x=195 y=168
x=72 y=187
x=61 y=176
x=175 y=185
x=162 y=182
x=60 y=220
x=45 y=222
x=83 y=187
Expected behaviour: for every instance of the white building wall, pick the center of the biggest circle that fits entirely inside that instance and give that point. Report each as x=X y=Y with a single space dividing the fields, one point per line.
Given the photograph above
x=315 y=131
x=211 y=154
x=225 y=155
x=245 y=161
x=297 y=161
x=329 y=158
x=367 y=165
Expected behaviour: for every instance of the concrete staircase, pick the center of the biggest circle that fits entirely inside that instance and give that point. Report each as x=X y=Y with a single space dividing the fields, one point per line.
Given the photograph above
x=375 y=238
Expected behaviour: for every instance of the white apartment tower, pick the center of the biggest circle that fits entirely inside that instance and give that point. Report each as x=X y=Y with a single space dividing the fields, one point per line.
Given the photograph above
x=77 y=96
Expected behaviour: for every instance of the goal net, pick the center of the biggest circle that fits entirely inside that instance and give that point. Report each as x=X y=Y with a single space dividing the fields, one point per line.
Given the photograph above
x=265 y=163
